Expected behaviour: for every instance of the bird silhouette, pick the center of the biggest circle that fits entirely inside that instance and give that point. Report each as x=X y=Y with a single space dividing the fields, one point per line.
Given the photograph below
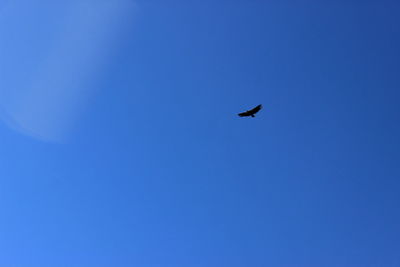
x=251 y=112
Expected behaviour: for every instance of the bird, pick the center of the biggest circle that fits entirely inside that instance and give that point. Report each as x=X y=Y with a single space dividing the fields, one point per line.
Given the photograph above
x=251 y=112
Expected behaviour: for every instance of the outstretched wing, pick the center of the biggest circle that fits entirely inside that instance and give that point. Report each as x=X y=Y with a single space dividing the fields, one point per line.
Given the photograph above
x=255 y=110
x=250 y=112
x=244 y=114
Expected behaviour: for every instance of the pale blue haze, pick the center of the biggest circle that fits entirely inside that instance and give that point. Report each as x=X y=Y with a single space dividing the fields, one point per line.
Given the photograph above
x=121 y=147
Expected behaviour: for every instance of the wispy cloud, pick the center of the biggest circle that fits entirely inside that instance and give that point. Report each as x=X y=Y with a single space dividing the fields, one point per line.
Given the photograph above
x=46 y=105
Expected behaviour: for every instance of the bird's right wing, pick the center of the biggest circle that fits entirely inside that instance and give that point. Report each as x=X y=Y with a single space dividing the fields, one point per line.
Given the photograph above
x=256 y=109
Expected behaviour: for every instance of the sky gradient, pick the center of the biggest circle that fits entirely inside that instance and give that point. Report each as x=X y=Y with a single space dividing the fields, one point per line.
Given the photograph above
x=121 y=144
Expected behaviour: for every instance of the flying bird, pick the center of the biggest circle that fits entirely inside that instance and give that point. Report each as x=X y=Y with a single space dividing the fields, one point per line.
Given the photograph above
x=251 y=112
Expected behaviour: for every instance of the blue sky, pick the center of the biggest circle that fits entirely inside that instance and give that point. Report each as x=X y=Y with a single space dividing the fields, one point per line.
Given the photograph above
x=121 y=145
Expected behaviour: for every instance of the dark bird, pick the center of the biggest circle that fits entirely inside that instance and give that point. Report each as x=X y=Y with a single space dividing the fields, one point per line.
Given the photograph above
x=251 y=112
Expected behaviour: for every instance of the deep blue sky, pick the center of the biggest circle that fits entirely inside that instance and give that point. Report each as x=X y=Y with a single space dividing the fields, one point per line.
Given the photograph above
x=120 y=143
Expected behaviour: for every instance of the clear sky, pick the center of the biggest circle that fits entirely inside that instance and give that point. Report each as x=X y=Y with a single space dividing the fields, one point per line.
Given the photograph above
x=121 y=145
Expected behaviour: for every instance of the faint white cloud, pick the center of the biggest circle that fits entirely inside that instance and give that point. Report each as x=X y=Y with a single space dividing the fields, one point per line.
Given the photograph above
x=48 y=98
